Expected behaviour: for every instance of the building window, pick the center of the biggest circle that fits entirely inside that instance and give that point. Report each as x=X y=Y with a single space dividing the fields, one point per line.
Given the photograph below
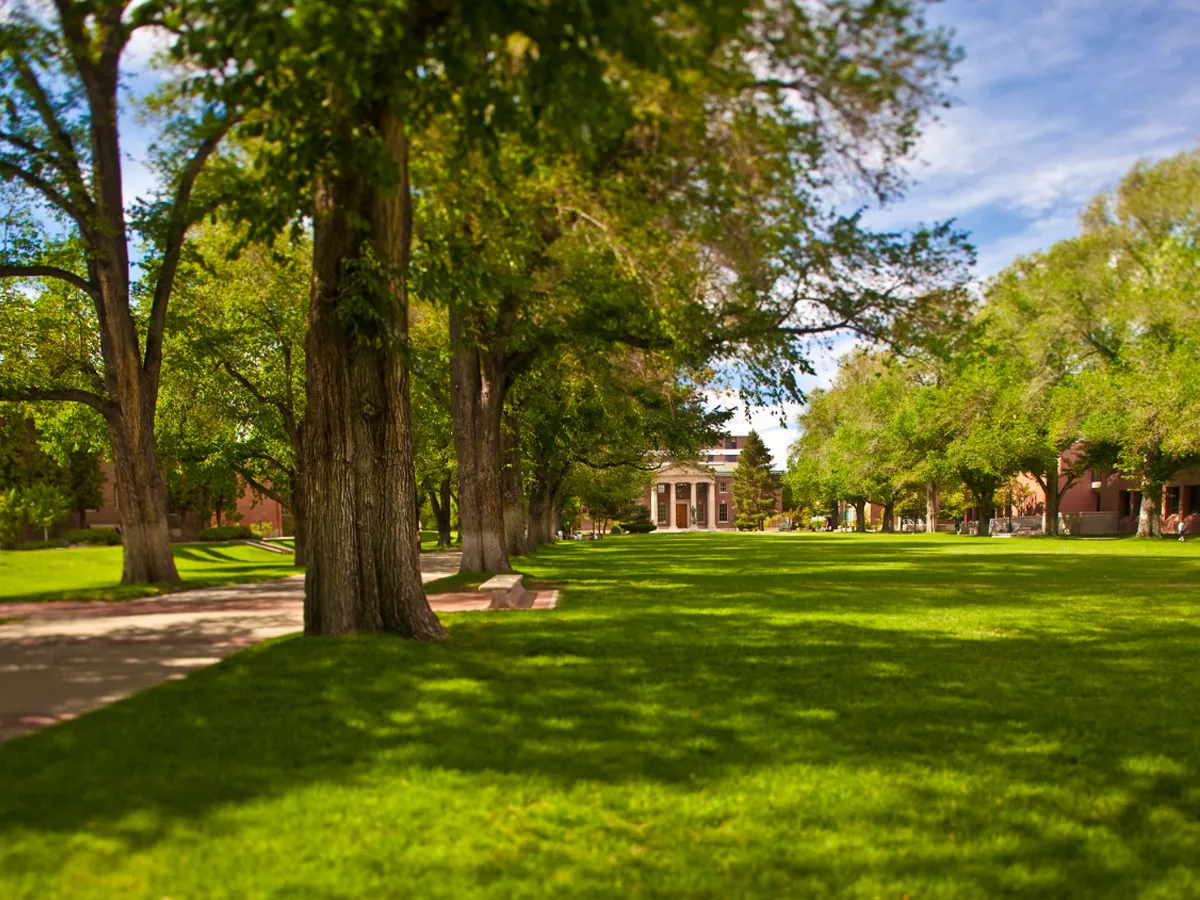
x=723 y=487
x=730 y=443
x=1172 y=501
x=722 y=512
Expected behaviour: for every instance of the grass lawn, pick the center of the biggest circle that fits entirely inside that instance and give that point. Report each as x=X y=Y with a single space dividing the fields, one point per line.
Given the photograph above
x=757 y=715
x=94 y=573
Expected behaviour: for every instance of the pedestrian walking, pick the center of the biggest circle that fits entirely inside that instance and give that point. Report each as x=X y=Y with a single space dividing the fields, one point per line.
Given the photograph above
x=1181 y=528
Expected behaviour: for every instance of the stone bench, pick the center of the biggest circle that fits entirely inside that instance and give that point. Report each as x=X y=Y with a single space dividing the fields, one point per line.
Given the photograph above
x=507 y=592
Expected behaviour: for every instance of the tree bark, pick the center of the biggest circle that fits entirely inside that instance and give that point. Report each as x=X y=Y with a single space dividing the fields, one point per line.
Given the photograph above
x=1150 y=512
x=931 y=508
x=1050 y=510
x=439 y=501
x=476 y=404
x=889 y=513
x=364 y=570
x=512 y=488
x=141 y=502
x=860 y=516
x=300 y=521
x=987 y=507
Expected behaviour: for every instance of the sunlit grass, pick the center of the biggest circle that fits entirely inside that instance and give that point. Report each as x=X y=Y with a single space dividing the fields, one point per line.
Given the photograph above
x=94 y=573
x=703 y=716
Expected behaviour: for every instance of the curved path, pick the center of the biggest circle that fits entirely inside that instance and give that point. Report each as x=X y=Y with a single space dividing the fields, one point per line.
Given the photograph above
x=58 y=660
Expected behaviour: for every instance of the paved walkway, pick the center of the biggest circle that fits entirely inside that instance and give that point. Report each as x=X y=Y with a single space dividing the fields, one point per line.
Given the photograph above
x=61 y=659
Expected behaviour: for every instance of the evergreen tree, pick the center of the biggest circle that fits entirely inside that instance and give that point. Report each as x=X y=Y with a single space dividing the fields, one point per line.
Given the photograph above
x=753 y=484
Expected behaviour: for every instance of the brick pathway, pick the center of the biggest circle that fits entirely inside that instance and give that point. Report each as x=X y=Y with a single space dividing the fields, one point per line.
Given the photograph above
x=62 y=659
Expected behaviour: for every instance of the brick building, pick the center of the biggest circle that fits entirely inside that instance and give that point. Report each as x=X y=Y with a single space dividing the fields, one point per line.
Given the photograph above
x=698 y=496
x=185 y=525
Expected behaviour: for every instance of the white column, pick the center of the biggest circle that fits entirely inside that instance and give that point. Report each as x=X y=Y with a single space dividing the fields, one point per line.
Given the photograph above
x=654 y=502
x=691 y=502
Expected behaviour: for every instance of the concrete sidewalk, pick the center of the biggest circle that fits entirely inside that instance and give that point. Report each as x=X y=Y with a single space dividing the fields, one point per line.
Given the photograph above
x=62 y=659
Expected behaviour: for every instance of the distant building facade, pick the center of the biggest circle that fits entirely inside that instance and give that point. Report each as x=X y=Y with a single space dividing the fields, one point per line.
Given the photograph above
x=686 y=495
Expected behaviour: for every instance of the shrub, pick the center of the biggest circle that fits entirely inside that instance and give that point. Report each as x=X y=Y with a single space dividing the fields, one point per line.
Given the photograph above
x=52 y=544
x=616 y=529
x=227 y=533
x=107 y=537
x=635 y=514
x=639 y=527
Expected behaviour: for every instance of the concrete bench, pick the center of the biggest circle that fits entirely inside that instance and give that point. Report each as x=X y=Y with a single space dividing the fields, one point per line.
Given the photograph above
x=507 y=592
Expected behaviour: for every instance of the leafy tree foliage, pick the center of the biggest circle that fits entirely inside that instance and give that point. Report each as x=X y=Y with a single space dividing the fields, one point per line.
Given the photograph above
x=99 y=336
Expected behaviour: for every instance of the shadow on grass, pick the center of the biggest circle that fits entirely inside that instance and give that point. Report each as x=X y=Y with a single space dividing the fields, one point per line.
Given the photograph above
x=1018 y=735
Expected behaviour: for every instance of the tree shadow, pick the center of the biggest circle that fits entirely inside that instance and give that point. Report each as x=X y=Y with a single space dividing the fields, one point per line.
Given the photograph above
x=1022 y=739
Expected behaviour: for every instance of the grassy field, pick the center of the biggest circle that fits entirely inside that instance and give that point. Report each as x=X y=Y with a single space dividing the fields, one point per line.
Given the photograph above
x=94 y=573
x=715 y=716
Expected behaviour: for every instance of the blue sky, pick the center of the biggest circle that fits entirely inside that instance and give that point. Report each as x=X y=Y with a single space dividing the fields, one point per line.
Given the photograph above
x=1056 y=99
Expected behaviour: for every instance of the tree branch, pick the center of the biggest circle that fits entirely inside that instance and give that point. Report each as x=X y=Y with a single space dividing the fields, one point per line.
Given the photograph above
x=66 y=160
x=177 y=227
x=262 y=488
x=70 y=278
x=106 y=408
x=48 y=191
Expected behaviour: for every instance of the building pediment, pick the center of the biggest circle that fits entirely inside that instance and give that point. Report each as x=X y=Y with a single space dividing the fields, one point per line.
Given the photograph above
x=683 y=471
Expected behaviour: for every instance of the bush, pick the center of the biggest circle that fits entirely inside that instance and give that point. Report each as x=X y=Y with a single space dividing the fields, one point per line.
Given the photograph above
x=639 y=527
x=616 y=529
x=52 y=544
x=227 y=533
x=107 y=537
x=635 y=514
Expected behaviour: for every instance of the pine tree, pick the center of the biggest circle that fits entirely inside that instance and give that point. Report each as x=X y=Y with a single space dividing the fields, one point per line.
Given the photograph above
x=753 y=484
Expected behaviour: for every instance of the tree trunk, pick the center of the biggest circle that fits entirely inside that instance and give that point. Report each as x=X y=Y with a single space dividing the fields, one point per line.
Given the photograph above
x=986 y=509
x=889 y=513
x=476 y=403
x=543 y=509
x=931 y=508
x=364 y=570
x=439 y=501
x=1050 y=510
x=1150 y=513
x=300 y=522
x=141 y=504
x=860 y=516
x=512 y=488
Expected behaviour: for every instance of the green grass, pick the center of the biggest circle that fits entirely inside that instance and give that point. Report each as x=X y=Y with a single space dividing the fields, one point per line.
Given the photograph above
x=94 y=573
x=758 y=715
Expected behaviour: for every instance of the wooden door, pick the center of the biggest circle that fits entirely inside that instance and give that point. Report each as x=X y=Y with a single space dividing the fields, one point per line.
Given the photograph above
x=681 y=515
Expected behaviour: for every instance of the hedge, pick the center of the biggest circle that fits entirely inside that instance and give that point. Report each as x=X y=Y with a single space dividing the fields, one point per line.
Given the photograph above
x=638 y=527
x=52 y=544
x=106 y=536
x=227 y=533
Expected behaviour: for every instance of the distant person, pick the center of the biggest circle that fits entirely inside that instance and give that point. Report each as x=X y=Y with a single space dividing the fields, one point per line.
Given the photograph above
x=1181 y=528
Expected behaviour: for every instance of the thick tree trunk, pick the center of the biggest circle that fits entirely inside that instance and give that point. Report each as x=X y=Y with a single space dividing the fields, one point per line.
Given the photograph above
x=439 y=501
x=1150 y=513
x=1050 y=510
x=543 y=510
x=476 y=403
x=364 y=571
x=931 y=508
x=860 y=516
x=512 y=488
x=986 y=509
x=142 y=503
x=889 y=513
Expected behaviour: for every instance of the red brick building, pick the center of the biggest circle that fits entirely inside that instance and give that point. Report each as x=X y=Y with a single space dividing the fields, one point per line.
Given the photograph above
x=698 y=496
x=186 y=525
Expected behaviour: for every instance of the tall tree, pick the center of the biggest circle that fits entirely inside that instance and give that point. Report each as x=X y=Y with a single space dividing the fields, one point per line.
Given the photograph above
x=753 y=484
x=60 y=143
